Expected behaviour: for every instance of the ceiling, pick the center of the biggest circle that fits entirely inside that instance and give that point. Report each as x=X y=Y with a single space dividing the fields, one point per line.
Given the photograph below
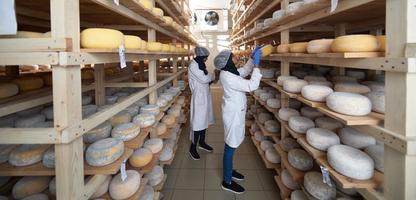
x=211 y=4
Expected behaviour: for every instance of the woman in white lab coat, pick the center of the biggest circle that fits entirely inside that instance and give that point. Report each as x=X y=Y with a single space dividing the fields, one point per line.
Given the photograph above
x=202 y=114
x=234 y=108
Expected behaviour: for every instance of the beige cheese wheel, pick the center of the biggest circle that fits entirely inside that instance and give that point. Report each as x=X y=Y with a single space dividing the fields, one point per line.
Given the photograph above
x=377 y=99
x=294 y=85
x=311 y=113
x=126 y=131
x=29 y=185
x=5 y=150
x=28 y=34
x=263 y=117
x=161 y=128
x=48 y=158
x=151 y=109
x=298 y=47
x=101 y=38
x=314 y=185
x=168 y=21
x=376 y=152
x=266 y=144
x=52 y=186
x=321 y=139
x=349 y=103
x=288 y=144
x=148 y=193
x=328 y=123
x=120 y=118
x=154 y=46
x=266 y=50
x=155 y=176
x=144 y=120
x=300 y=124
x=27 y=154
x=155 y=145
x=167 y=153
x=288 y=181
x=355 y=43
x=316 y=93
x=354 y=138
x=8 y=90
x=157 y=11
x=265 y=96
x=352 y=88
x=298 y=195
x=148 y=4
x=169 y=120
x=120 y=189
x=300 y=159
x=319 y=46
x=100 y=132
x=283 y=48
x=104 y=152
x=165 y=48
x=103 y=188
x=381 y=39
x=175 y=111
x=272 y=156
x=141 y=157
x=273 y=103
x=39 y=196
x=286 y=113
x=132 y=42
x=272 y=126
x=258 y=136
x=28 y=83
x=324 y=83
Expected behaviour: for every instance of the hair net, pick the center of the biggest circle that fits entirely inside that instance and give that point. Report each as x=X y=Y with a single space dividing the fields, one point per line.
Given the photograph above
x=201 y=51
x=221 y=59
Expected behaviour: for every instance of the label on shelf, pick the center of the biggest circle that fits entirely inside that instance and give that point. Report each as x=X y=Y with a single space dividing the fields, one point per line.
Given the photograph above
x=325 y=176
x=122 y=55
x=334 y=5
x=123 y=170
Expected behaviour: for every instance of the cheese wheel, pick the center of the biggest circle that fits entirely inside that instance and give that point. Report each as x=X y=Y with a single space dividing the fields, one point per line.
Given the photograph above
x=132 y=42
x=375 y=86
x=101 y=38
x=148 y=193
x=298 y=47
x=103 y=188
x=272 y=126
x=376 y=152
x=321 y=139
x=120 y=118
x=155 y=176
x=351 y=162
x=28 y=83
x=294 y=85
x=292 y=8
x=86 y=99
x=133 y=110
x=169 y=120
x=273 y=103
x=267 y=73
x=300 y=159
x=30 y=185
x=311 y=113
x=298 y=195
x=349 y=103
x=300 y=124
x=140 y=157
x=314 y=78
x=100 y=132
x=48 y=158
x=323 y=83
x=48 y=112
x=161 y=128
x=258 y=92
x=319 y=46
x=167 y=153
x=278 y=14
x=258 y=136
x=151 y=109
x=288 y=181
x=295 y=104
x=168 y=21
x=38 y=196
x=5 y=150
x=27 y=154
x=272 y=156
x=123 y=189
x=381 y=39
x=28 y=34
x=266 y=50
x=317 y=188
x=286 y=113
x=8 y=90
x=110 y=99
x=52 y=186
x=352 y=88
x=316 y=92
x=88 y=110
x=104 y=152
x=266 y=144
x=148 y=4
x=377 y=99
x=283 y=48
x=125 y=132
x=328 y=123
x=155 y=145
x=154 y=46
x=175 y=111
x=263 y=117
x=355 y=43
x=268 y=22
x=265 y=96
x=352 y=137
x=288 y=144
x=157 y=11
x=161 y=102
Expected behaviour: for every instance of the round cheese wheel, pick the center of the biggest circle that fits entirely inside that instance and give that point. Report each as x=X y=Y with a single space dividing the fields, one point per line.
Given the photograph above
x=265 y=96
x=30 y=185
x=266 y=50
x=8 y=90
x=88 y=110
x=263 y=117
x=266 y=144
x=376 y=152
x=355 y=43
x=167 y=153
x=350 y=162
x=148 y=193
x=27 y=154
x=38 y=196
x=120 y=189
x=169 y=120
x=328 y=123
x=258 y=92
x=288 y=144
x=148 y=4
x=161 y=102
x=349 y=103
x=175 y=111
x=272 y=156
x=295 y=104
x=298 y=47
x=286 y=113
x=157 y=11
x=28 y=83
x=125 y=132
x=298 y=195
x=352 y=137
x=323 y=83
x=52 y=186
x=144 y=120
x=294 y=85
x=101 y=38
x=268 y=22
x=110 y=99
x=352 y=88
x=48 y=158
x=283 y=48
x=321 y=139
x=154 y=144
x=300 y=159
x=100 y=132
x=381 y=39
x=155 y=176
x=316 y=92
x=151 y=109
x=278 y=14
x=132 y=42
x=5 y=150
x=267 y=73
x=120 y=118
x=168 y=21
x=141 y=157
x=104 y=152
x=292 y=8
x=311 y=113
x=272 y=126
x=300 y=124
x=48 y=112
x=375 y=86
x=377 y=101
x=154 y=46
x=161 y=128
x=258 y=136
x=317 y=188
x=288 y=181
x=103 y=188
x=319 y=46
x=281 y=79
x=273 y=103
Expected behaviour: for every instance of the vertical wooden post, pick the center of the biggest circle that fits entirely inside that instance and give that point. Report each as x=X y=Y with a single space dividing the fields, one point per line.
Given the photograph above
x=284 y=70
x=151 y=36
x=189 y=53
x=399 y=168
x=175 y=65
x=340 y=29
x=69 y=161
x=99 y=76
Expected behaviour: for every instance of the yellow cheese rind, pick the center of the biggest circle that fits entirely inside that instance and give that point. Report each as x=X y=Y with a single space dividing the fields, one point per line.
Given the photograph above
x=123 y=189
x=157 y=11
x=141 y=157
x=266 y=50
x=283 y=48
x=8 y=90
x=355 y=43
x=168 y=20
x=148 y=4
x=28 y=83
x=165 y=48
x=132 y=42
x=27 y=154
x=319 y=46
x=101 y=38
x=154 y=46
x=30 y=185
x=382 y=42
x=298 y=47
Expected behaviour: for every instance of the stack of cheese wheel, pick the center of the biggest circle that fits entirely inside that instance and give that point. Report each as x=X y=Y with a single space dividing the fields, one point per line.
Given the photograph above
x=298 y=47
x=266 y=144
x=321 y=139
x=155 y=176
x=311 y=113
x=126 y=131
x=141 y=157
x=300 y=124
x=272 y=156
x=148 y=4
x=151 y=109
x=102 y=189
x=300 y=159
x=377 y=99
x=283 y=48
x=272 y=126
x=288 y=181
x=27 y=154
x=120 y=118
x=123 y=189
x=104 y=152
x=376 y=152
x=286 y=113
x=349 y=103
x=29 y=121
x=100 y=132
x=132 y=42
x=352 y=88
x=294 y=85
x=319 y=46
x=273 y=103
x=28 y=83
x=352 y=137
x=144 y=120
x=155 y=145
x=169 y=120
x=5 y=150
x=8 y=90
x=314 y=185
x=101 y=38
x=263 y=117
x=281 y=79
x=167 y=153
x=154 y=46
x=328 y=123
x=316 y=92
x=48 y=158
x=288 y=144
x=355 y=43
x=30 y=185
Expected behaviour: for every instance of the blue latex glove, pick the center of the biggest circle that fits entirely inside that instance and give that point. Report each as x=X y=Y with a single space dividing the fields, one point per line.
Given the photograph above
x=257 y=57
x=255 y=50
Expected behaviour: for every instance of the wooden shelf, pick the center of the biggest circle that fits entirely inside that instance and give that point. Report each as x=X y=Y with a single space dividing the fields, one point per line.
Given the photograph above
x=333 y=55
x=296 y=174
x=309 y=103
x=371 y=119
x=267 y=163
x=284 y=191
x=264 y=104
x=315 y=153
x=264 y=131
x=138 y=141
x=135 y=196
x=133 y=51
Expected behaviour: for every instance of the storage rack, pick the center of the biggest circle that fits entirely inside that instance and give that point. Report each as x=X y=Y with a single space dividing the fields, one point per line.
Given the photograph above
x=62 y=50
x=395 y=129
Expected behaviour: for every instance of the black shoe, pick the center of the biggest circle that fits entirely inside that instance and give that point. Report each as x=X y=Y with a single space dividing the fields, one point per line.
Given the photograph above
x=193 y=153
x=206 y=147
x=233 y=187
x=237 y=176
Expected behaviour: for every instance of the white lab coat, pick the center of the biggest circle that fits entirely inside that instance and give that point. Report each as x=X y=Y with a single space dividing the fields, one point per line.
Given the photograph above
x=234 y=105
x=202 y=113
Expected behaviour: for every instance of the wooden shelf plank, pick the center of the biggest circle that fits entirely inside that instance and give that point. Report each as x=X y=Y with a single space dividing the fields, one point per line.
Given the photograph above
x=268 y=164
x=333 y=55
x=138 y=141
x=312 y=151
x=310 y=103
x=371 y=119
x=296 y=174
x=265 y=132
x=284 y=191
x=264 y=104
x=131 y=51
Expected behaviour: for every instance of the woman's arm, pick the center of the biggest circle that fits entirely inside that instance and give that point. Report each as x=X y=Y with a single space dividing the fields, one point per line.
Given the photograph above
x=246 y=69
x=243 y=85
